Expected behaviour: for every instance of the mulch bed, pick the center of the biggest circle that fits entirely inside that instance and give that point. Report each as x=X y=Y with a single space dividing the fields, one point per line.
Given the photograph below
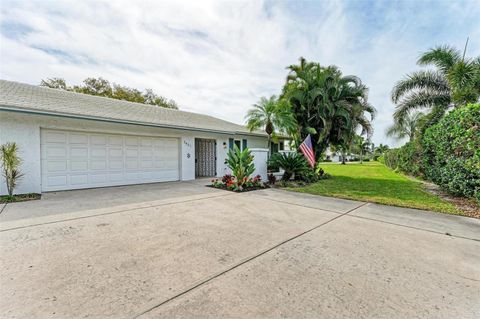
x=236 y=191
x=19 y=198
x=468 y=206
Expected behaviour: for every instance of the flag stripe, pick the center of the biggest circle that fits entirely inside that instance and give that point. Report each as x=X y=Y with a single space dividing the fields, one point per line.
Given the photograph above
x=307 y=150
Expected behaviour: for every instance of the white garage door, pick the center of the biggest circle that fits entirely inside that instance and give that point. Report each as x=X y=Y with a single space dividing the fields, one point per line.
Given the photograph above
x=72 y=160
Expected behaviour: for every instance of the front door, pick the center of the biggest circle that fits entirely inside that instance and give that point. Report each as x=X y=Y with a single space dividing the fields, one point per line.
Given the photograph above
x=205 y=158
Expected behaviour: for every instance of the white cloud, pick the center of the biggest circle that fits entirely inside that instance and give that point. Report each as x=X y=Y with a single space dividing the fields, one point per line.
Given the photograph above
x=220 y=57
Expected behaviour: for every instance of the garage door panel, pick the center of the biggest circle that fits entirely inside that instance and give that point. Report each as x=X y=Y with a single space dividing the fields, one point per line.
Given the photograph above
x=78 y=165
x=116 y=177
x=98 y=151
x=131 y=141
x=116 y=152
x=98 y=165
x=115 y=165
x=78 y=152
x=56 y=166
x=98 y=139
x=73 y=160
x=55 y=137
x=78 y=138
x=114 y=140
x=79 y=179
x=57 y=181
x=97 y=178
x=56 y=151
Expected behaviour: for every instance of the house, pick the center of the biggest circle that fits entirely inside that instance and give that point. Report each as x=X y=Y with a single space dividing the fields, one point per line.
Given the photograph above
x=337 y=156
x=69 y=140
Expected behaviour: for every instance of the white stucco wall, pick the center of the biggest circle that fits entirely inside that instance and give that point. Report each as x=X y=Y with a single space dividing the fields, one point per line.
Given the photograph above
x=27 y=136
x=24 y=129
x=187 y=153
x=260 y=156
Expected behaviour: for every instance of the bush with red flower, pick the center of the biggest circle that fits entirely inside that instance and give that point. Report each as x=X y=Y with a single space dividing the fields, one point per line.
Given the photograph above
x=232 y=183
x=241 y=165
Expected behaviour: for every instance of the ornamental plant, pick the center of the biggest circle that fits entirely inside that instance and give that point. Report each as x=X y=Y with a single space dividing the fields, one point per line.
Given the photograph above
x=241 y=164
x=10 y=162
x=291 y=163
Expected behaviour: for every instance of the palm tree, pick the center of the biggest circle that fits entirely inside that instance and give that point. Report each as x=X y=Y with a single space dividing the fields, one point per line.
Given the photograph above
x=272 y=115
x=454 y=81
x=382 y=148
x=407 y=128
x=360 y=146
x=326 y=104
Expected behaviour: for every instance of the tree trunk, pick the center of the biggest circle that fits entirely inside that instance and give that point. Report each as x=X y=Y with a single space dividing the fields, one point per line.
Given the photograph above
x=286 y=176
x=361 y=157
x=269 y=148
x=343 y=157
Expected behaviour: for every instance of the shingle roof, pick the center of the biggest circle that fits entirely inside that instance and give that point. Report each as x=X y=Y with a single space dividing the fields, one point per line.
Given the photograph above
x=35 y=99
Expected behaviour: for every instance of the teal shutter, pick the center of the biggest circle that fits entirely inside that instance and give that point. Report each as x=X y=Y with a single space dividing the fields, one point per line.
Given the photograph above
x=230 y=143
x=244 y=144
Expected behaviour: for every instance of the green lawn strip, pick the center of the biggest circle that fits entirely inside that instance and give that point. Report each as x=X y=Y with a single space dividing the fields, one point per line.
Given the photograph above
x=374 y=182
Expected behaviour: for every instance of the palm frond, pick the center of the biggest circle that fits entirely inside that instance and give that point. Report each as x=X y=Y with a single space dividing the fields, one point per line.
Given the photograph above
x=420 y=99
x=420 y=80
x=443 y=57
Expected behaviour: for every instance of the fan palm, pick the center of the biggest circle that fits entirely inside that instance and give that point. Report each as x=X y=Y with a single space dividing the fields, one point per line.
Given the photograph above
x=454 y=81
x=272 y=115
x=406 y=128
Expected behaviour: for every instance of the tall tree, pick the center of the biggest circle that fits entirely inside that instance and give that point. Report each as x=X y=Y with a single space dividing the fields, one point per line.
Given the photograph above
x=326 y=104
x=93 y=86
x=360 y=146
x=55 y=83
x=102 y=87
x=408 y=128
x=271 y=115
x=454 y=81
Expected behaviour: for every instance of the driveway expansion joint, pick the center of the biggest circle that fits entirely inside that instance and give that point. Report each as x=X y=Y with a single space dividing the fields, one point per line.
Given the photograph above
x=244 y=261
x=413 y=227
x=311 y=207
x=113 y=212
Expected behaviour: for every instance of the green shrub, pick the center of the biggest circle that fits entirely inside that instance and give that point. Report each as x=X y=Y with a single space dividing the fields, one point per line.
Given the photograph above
x=451 y=152
x=292 y=163
x=241 y=164
x=390 y=158
x=407 y=158
x=10 y=163
x=410 y=159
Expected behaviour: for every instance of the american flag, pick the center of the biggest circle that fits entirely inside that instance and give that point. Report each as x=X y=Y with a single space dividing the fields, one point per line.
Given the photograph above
x=307 y=150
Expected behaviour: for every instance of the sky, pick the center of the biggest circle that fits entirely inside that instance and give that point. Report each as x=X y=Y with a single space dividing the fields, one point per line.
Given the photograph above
x=220 y=57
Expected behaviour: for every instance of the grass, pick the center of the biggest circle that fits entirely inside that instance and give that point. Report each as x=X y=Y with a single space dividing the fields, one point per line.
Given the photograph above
x=374 y=182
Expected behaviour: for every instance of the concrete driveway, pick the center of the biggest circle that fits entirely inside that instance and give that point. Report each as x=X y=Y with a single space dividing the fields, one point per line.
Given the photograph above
x=263 y=254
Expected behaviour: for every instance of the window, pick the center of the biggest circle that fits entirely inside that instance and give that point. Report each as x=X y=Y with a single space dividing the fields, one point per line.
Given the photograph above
x=281 y=146
x=239 y=144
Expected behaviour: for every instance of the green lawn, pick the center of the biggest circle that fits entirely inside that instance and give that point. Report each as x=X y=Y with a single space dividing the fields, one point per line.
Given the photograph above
x=374 y=182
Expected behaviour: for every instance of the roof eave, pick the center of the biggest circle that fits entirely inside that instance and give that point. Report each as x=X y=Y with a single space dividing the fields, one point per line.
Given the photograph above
x=119 y=121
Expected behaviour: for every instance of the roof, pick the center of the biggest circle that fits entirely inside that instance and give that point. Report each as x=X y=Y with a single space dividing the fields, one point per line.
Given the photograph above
x=28 y=98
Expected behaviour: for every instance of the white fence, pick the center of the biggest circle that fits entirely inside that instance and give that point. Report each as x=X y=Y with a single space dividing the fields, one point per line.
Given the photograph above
x=260 y=156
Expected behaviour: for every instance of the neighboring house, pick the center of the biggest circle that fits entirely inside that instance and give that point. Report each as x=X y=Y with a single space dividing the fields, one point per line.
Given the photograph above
x=70 y=141
x=336 y=156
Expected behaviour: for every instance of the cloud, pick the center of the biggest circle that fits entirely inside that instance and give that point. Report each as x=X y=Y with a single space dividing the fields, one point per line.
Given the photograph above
x=220 y=57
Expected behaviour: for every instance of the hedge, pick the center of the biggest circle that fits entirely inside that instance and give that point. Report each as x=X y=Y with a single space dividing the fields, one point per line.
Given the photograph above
x=448 y=153
x=451 y=152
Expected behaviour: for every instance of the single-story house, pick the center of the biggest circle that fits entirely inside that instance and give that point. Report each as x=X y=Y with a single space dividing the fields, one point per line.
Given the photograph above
x=69 y=140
